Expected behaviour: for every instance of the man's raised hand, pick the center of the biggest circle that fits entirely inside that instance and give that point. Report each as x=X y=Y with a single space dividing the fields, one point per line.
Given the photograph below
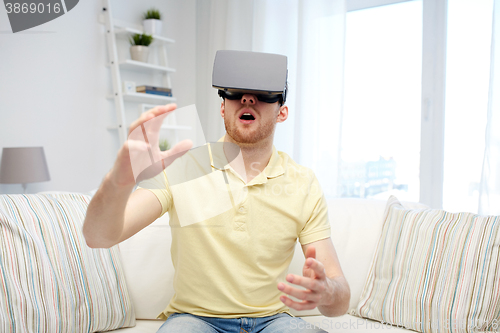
x=140 y=157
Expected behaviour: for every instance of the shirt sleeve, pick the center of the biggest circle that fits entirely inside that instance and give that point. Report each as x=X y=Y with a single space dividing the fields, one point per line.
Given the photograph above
x=159 y=186
x=317 y=226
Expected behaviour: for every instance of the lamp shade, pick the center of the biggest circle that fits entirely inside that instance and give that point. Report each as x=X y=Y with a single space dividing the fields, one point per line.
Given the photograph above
x=22 y=165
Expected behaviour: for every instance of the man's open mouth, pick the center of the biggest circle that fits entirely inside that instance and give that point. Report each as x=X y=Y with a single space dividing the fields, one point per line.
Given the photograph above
x=247 y=116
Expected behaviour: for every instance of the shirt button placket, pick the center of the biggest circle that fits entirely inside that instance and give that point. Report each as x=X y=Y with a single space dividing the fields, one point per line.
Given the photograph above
x=239 y=223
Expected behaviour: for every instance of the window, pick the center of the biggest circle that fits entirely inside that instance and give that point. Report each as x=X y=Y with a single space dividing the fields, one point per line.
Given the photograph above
x=456 y=40
x=467 y=80
x=380 y=146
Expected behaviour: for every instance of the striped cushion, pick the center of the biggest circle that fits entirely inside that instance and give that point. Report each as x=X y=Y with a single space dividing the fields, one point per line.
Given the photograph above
x=50 y=281
x=435 y=271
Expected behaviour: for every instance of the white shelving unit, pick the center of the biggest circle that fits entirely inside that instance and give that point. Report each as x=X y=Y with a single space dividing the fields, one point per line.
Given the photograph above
x=118 y=29
x=143 y=66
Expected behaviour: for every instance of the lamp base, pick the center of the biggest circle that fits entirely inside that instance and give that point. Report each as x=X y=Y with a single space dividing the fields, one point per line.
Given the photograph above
x=24 y=188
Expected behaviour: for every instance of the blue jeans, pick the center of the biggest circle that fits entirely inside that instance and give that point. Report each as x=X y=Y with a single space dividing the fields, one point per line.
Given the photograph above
x=280 y=323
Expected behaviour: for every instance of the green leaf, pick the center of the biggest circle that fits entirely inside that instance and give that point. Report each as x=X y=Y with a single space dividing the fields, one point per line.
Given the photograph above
x=152 y=14
x=141 y=39
x=164 y=145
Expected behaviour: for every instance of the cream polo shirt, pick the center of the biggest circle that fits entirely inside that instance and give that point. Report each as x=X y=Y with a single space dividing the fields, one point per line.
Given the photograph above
x=230 y=251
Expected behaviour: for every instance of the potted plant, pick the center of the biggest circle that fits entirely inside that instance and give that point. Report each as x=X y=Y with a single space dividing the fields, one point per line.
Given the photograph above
x=152 y=22
x=139 y=50
x=164 y=145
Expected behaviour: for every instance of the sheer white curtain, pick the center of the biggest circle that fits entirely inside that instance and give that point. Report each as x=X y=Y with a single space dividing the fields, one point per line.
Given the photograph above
x=220 y=25
x=489 y=198
x=311 y=34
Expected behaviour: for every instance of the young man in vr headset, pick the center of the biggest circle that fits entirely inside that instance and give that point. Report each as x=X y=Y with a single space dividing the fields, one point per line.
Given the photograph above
x=232 y=256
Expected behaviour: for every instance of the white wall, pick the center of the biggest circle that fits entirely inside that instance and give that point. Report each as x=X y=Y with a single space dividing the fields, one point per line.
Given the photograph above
x=53 y=87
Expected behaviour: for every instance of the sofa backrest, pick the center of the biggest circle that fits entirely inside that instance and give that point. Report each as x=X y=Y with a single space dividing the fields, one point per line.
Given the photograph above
x=356 y=227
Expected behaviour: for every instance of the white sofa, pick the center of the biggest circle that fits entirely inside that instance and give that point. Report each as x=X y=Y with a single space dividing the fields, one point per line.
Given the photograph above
x=356 y=227
x=27 y=225
x=433 y=267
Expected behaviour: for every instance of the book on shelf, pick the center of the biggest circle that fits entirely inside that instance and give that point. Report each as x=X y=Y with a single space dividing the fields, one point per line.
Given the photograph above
x=152 y=88
x=156 y=92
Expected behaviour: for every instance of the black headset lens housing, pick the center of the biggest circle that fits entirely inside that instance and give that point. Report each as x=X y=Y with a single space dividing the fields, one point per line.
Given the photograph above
x=266 y=98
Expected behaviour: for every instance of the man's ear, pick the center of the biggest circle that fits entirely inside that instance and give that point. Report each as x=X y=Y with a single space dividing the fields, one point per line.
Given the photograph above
x=222 y=108
x=283 y=114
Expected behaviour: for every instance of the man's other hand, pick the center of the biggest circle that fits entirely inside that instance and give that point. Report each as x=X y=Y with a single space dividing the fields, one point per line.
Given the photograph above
x=315 y=281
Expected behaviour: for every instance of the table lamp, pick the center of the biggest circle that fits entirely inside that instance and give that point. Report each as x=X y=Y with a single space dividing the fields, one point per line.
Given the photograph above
x=23 y=165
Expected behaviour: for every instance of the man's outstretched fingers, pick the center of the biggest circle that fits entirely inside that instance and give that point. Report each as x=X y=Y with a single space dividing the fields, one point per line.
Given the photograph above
x=302 y=281
x=310 y=252
x=161 y=109
x=305 y=295
x=299 y=306
x=136 y=145
x=317 y=267
x=169 y=156
x=150 y=114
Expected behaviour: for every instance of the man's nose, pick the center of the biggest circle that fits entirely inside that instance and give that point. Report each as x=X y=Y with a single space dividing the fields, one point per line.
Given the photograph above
x=248 y=98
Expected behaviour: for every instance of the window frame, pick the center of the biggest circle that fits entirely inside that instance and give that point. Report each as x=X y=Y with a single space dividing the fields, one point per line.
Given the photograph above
x=434 y=25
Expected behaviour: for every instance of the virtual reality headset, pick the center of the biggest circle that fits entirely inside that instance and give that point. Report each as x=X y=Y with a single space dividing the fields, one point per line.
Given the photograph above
x=262 y=74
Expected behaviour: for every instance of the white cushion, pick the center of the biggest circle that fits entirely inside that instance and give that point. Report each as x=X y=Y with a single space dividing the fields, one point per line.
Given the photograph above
x=356 y=226
x=142 y=326
x=148 y=268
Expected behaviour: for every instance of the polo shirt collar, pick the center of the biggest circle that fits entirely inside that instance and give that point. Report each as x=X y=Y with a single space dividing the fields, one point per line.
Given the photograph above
x=275 y=166
x=273 y=169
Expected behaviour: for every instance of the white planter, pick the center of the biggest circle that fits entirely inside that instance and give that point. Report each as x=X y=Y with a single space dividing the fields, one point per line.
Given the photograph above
x=152 y=27
x=139 y=53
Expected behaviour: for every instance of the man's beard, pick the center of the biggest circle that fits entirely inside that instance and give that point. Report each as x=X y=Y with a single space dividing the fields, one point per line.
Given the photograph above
x=254 y=136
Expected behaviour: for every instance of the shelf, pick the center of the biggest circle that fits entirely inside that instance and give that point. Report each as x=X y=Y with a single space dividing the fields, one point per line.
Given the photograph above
x=170 y=127
x=128 y=31
x=176 y=127
x=139 y=65
x=145 y=98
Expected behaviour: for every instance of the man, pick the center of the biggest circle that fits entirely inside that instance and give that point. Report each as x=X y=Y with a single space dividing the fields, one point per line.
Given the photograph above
x=230 y=263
